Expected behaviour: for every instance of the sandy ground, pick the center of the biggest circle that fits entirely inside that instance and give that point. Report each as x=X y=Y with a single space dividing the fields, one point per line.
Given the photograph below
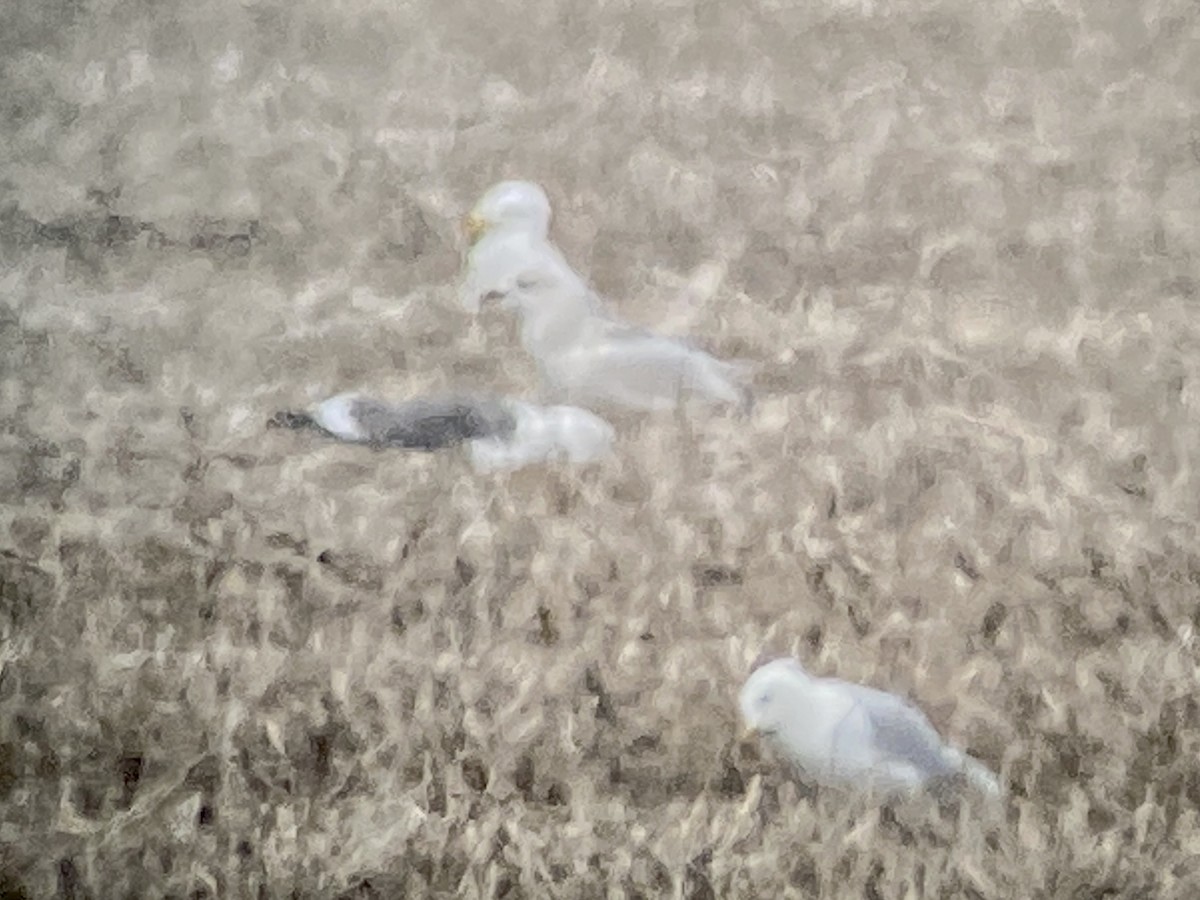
x=957 y=242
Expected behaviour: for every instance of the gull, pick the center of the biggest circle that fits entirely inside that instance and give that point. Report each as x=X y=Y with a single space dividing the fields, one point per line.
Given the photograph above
x=842 y=734
x=502 y=433
x=507 y=233
x=584 y=355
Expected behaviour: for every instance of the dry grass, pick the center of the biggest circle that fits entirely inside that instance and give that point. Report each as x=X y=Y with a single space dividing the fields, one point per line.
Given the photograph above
x=957 y=239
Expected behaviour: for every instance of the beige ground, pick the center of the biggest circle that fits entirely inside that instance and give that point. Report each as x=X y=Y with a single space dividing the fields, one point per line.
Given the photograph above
x=957 y=240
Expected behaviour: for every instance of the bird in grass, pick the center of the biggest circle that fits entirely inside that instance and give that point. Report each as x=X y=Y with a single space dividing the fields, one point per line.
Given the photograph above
x=501 y=433
x=841 y=734
x=584 y=355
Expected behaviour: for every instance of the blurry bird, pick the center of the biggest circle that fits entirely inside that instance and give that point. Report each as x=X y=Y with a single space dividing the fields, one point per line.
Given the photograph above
x=595 y=360
x=501 y=432
x=508 y=232
x=842 y=734
x=584 y=355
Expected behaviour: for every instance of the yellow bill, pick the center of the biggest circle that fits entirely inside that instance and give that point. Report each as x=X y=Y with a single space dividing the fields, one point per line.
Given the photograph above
x=474 y=225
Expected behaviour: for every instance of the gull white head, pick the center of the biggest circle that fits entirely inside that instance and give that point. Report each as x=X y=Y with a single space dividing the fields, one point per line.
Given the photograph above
x=772 y=695
x=510 y=205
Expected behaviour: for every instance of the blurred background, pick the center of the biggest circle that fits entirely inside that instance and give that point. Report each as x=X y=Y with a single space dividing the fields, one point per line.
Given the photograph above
x=957 y=244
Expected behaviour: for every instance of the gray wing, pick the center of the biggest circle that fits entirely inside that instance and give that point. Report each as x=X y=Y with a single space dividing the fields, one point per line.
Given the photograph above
x=431 y=424
x=902 y=731
x=425 y=424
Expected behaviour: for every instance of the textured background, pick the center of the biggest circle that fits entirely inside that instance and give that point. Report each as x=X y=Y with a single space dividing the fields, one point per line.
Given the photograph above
x=956 y=239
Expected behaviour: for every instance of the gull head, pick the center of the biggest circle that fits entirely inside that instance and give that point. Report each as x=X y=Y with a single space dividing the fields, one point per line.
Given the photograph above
x=516 y=205
x=771 y=695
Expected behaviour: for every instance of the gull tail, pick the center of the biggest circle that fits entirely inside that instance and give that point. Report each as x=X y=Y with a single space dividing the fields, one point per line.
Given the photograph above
x=976 y=774
x=728 y=382
x=287 y=418
x=982 y=777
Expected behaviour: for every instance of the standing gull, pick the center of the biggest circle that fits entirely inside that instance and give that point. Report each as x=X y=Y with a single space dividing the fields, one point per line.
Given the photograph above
x=838 y=733
x=501 y=433
x=584 y=355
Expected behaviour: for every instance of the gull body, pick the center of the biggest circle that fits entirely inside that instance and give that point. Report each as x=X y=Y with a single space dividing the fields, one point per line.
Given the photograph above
x=544 y=433
x=841 y=734
x=502 y=433
x=594 y=360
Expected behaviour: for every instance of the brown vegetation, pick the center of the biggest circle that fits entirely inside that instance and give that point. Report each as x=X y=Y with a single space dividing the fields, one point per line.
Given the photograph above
x=958 y=242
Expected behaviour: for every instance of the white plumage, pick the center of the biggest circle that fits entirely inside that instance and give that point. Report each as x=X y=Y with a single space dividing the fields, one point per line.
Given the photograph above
x=508 y=231
x=542 y=433
x=584 y=355
x=593 y=360
x=842 y=734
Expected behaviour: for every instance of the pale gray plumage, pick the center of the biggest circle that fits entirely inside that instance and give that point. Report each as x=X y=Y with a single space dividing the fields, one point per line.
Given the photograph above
x=594 y=360
x=843 y=734
x=584 y=355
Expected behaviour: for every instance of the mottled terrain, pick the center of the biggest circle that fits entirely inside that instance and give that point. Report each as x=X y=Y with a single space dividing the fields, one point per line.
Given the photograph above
x=955 y=240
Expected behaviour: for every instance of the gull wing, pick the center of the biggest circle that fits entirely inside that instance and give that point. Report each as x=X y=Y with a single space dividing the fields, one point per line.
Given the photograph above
x=640 y=370
x=430 y=424
x=425 y=424
x=900 y=733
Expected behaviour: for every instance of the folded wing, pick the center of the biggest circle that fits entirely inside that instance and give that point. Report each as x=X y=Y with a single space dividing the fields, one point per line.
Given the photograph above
x=425 y=424
x=640 y=370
